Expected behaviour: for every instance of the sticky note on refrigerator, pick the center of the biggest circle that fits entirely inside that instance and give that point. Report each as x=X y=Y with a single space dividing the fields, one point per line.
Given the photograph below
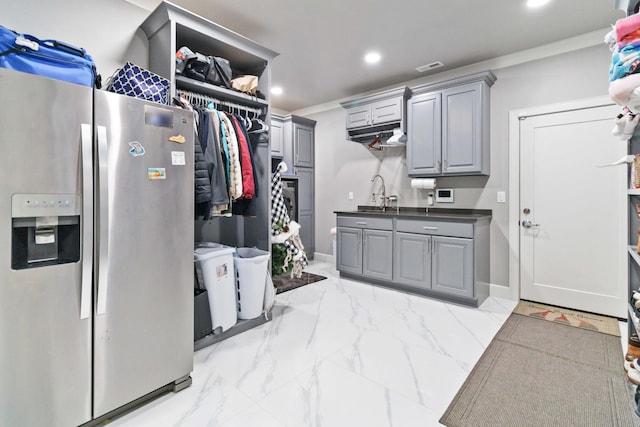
x=157 y=173
x=177 y=158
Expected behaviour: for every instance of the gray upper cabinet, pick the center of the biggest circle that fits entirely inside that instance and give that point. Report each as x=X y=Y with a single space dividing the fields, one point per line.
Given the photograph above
x=377 y=112
x=358 y=117
x=277 y=137
x=448 y=127
x=298 y=141
x=303 y=136
x=424 y=122
x=387 y=110
x=462 y=126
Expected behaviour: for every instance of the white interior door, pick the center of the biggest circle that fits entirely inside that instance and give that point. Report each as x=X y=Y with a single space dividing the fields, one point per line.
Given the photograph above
x=572 y=214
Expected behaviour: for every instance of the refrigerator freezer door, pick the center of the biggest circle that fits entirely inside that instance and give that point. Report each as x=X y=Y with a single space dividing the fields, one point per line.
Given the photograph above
x=144 y=219
x=45 y=356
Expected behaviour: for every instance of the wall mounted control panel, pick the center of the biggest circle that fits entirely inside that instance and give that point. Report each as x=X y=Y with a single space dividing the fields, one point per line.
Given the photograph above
x=444 y=195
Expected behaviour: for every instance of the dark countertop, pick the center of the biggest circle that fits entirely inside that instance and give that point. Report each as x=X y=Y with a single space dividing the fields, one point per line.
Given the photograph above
x=445 y=214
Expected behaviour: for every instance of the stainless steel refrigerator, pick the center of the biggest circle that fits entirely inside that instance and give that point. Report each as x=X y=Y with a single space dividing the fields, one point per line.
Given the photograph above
x=96 y=250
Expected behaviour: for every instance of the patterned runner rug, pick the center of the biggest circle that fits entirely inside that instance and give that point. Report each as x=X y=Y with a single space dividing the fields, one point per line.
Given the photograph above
x=578 y=319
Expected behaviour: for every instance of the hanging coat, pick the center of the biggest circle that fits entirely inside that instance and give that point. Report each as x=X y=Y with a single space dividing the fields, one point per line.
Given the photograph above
x=219 y=190
x=235 y=187
x=248 y=189
x=248 y=207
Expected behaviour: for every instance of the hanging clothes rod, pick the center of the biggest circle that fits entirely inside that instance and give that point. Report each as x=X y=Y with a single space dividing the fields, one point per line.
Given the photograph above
x=202 y=100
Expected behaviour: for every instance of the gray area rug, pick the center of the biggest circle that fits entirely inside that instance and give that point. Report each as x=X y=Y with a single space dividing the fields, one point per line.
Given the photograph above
x=539 y=373
x=285 y=283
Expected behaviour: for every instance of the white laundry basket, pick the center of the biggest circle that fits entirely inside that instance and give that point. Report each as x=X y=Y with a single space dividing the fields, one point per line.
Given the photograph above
x=218 y=271
x=251 y=275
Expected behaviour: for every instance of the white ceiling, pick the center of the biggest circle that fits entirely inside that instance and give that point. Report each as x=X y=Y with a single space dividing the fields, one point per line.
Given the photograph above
x=322 y=42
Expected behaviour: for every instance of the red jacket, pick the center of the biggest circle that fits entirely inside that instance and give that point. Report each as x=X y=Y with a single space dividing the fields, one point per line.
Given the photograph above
x=248 y=187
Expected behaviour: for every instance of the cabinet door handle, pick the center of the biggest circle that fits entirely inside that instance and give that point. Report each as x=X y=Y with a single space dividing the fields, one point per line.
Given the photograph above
x=430 y=228
x=445 y=165
x=439 y=166
x=361 y=223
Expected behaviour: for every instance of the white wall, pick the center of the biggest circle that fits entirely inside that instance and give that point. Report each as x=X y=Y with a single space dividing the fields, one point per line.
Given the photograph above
x=343 y=166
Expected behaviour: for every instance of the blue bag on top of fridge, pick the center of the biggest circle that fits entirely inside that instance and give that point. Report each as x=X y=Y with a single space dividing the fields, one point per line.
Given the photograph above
x=48 y=58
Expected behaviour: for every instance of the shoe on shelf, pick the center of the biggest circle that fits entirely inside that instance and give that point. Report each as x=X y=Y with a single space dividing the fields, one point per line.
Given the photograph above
x=628 y=361
x=633 y=348
x=634 y=376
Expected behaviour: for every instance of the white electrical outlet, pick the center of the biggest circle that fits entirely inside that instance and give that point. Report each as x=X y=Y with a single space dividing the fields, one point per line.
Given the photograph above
x=350 y=195
x=502 y=197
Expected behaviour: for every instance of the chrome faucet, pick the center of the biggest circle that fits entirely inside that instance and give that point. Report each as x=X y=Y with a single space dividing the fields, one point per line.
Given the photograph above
x=381 y=193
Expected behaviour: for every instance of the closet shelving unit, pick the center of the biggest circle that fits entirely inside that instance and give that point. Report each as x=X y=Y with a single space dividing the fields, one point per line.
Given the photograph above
x=634 y=257
x=170 y=27
x=630 y=7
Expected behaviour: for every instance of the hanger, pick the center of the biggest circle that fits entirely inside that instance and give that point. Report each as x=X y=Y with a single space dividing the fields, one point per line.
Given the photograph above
x=375 y=141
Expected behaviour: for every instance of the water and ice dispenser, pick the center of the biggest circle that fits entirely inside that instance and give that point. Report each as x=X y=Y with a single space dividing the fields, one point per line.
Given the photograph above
x=45 y=230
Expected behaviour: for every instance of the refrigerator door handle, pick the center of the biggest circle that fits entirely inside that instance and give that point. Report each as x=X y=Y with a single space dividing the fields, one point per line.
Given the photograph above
x=103 y=223
x=87 y=222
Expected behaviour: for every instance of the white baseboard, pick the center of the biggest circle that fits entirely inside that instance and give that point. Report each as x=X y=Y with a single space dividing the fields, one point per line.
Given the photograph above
x=500 y=291
x=317 y=256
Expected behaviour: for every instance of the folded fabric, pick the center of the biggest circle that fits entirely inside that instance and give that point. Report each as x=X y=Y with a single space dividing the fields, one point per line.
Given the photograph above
x=632 y=41
x=627 y=26
x=624 y=63
x=610 y=39
x=619 y=90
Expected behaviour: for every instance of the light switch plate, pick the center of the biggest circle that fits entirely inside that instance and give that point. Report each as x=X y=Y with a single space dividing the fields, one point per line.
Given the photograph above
x=502 y=197
x=350 y=195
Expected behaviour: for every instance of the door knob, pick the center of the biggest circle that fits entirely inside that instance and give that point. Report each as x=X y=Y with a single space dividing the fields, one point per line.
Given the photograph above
x=528 y=224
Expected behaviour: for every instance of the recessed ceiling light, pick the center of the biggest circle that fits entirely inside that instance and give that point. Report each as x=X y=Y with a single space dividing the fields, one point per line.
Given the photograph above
x=536 y=3
x=372 y=57
x=276 y=90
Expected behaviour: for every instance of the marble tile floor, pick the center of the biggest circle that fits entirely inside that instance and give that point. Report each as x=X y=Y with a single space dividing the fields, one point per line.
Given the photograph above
x=338 y=353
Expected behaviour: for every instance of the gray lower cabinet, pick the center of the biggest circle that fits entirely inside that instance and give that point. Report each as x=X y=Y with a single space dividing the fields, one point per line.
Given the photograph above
x=364 y=247
x=377 y=254
x=452 y=262
x=348 y=248
x=412 y=260
x=306 y=207
x=440 y=258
